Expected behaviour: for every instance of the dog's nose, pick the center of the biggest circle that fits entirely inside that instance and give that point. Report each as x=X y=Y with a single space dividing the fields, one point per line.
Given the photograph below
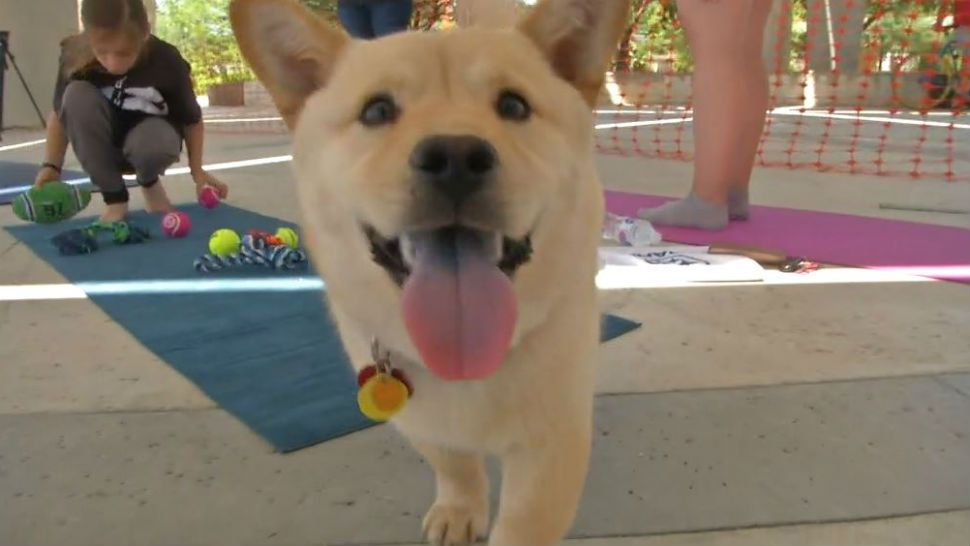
x=456 y=165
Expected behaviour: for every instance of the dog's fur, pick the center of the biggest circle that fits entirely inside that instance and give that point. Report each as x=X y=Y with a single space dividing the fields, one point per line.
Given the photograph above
x=535 y=413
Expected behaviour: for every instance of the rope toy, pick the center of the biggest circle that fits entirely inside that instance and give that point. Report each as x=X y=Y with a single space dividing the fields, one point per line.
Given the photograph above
x=255 y=250
x=85 y=240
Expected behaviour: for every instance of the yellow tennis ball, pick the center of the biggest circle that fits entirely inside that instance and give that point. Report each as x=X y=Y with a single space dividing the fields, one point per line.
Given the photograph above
x=224 y=242
x=288 y=236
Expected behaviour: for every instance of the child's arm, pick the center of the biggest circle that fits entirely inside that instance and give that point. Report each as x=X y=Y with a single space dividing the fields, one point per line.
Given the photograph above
x=56 y=146
x=186 y=111
x=195 y=142
x=54 y=151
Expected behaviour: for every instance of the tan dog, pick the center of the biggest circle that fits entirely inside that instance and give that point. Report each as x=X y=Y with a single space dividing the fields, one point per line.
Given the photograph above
x=449 y=200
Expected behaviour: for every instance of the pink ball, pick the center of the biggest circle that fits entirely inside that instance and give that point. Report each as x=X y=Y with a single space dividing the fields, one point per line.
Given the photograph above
x=176 y=224
x=208 y=197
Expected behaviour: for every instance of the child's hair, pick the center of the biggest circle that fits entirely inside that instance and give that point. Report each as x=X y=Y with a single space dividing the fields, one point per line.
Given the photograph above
x=128 y=16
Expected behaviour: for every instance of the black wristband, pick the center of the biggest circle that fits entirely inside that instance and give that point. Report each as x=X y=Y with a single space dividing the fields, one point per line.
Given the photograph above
x=50 y=165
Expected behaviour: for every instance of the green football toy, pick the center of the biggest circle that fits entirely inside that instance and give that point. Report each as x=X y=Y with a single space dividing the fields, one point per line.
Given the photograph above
x=51 y=203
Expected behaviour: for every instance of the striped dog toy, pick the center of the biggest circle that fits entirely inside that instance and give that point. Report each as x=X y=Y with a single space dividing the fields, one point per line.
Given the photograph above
x=254 y=251
x=85 y=240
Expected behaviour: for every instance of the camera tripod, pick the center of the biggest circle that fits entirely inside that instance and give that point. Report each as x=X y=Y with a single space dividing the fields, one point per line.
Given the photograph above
x=5 y=54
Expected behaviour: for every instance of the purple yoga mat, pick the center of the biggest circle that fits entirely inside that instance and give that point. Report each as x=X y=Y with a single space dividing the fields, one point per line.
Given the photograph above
x=927 y=250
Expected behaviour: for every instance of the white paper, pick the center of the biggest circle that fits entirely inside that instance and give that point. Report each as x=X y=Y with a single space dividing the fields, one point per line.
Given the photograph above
x=647 y=266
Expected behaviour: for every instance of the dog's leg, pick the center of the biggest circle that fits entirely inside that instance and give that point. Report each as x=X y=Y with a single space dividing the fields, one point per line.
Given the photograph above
x=459 y=514
x=541 y=488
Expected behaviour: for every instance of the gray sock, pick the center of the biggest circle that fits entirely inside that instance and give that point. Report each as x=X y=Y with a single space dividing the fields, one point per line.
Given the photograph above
x=738 y=204
x=692 y=211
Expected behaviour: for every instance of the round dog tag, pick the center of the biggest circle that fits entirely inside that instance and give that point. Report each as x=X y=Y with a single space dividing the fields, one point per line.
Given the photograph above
x=382 y=396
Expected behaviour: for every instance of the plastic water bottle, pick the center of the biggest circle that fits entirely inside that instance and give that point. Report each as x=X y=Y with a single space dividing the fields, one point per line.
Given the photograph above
x=629 y=231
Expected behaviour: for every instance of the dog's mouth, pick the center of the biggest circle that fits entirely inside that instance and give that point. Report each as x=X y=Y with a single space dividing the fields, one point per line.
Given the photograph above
x=457 y=300
x=398 y=255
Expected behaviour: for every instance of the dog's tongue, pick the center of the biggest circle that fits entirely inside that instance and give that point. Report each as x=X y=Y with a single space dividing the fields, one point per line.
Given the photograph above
x=458 y=306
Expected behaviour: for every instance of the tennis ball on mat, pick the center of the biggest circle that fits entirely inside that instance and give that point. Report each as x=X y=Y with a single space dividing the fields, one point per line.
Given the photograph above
x=176 y=224
x=288 y=236
x=224 y=242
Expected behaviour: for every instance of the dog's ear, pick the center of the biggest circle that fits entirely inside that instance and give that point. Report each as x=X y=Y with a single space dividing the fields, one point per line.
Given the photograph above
x=579 y=37
x=291 y=50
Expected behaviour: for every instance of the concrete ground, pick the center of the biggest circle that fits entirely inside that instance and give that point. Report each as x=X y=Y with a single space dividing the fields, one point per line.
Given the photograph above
x=755 y=414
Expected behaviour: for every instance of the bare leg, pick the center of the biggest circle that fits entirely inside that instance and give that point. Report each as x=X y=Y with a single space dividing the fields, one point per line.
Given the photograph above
x=730 y=96
x=156 y=199
x=541 y=488
x=114 y=212
x=754 y=111
x=459 y=514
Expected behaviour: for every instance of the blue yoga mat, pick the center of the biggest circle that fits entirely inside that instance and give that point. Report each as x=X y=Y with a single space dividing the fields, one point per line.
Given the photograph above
x=267 y=354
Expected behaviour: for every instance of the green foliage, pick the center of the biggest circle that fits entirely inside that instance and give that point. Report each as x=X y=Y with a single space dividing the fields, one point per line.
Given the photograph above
x=324 y=8
x=901 y=29
x=201 y=31
x=799 y=35
x=893 y=28
x=656 y=42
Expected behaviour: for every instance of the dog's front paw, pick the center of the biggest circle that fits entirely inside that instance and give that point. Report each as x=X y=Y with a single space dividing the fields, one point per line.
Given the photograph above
x=451 y=524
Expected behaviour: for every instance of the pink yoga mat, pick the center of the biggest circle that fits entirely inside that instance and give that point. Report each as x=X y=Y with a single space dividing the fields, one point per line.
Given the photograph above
x=927 y=250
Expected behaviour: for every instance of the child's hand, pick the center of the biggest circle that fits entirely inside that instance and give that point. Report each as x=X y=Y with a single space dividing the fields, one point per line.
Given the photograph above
x=45 y=175
x=203 y=179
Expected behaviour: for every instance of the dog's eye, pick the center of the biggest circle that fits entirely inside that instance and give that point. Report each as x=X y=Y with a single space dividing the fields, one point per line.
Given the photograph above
x=379 y=110
x=512 y=106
